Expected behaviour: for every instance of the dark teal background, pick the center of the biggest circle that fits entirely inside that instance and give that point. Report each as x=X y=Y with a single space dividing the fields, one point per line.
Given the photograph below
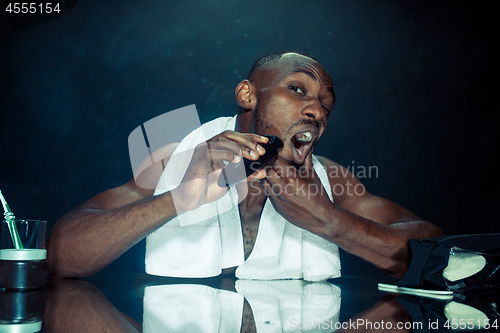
x=416 y=85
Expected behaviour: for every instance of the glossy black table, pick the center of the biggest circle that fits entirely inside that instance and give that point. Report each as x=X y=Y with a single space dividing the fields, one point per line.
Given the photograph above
x=140 y=302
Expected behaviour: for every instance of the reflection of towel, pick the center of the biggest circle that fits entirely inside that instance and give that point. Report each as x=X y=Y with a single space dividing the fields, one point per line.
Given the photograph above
x=292 y=306
x=202 y=242
x=191 y=308
x=277 y=306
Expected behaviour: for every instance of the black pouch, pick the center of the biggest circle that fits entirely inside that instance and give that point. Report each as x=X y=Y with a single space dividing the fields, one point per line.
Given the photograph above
x=430 y=256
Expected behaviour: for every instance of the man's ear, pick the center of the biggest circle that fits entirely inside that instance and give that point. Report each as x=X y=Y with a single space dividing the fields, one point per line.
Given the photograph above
x=245 y=95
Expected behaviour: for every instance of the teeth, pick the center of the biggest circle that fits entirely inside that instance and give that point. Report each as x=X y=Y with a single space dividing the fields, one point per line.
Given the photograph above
x=298 y=151
x=304 y=137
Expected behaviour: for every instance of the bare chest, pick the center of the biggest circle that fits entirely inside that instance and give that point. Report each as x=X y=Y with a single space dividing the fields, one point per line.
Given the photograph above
x=250 y=211
x=250 y=226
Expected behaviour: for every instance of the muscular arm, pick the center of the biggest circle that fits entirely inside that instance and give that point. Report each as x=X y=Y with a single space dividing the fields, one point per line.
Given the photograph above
x=372 y=228
x=87 y=239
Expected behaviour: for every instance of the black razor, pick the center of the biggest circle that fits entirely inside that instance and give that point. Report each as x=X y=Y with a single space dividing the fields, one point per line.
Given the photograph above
x=234 y=173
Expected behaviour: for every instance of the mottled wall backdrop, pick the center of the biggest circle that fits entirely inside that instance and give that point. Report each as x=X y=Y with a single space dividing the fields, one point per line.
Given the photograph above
x=416 y=84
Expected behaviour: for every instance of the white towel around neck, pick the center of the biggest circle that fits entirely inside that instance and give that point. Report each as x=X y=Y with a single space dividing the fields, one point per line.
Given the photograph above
x=202 y=242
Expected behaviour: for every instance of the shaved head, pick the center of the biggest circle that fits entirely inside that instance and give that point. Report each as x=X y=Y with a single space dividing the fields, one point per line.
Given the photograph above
x=272 y=67
x=270 y=59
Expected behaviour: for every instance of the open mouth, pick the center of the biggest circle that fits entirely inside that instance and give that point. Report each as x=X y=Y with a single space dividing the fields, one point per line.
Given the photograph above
x=301 y=143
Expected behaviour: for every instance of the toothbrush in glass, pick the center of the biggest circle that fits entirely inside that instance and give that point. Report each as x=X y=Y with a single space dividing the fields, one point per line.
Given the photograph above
x=11 y=223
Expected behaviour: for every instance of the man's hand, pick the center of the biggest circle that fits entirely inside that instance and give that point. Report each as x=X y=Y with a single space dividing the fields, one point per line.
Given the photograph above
x=297 y=194
x=372 y=228
x=199 y=185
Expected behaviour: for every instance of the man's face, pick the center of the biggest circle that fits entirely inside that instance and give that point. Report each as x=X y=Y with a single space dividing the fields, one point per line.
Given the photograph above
x=294 y=99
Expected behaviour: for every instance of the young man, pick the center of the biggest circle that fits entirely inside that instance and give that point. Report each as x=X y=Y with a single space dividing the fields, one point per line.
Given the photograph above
x=288 y=95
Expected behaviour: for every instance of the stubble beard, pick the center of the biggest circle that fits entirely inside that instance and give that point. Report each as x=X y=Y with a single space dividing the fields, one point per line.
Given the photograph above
x=259 y=125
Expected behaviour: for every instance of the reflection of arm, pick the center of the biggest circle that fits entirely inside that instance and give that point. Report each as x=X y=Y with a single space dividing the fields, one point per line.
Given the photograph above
x=370 y=227
x=90 y=237
x=387 y=312
x=78 y=306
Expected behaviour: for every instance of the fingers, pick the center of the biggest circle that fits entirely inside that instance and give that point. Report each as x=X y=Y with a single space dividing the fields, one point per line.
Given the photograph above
x=283 y=173
x=274 y=175
x=228 y=146
x=205 y=161
x=217 y=157
x=259 y=174
x=245 y=144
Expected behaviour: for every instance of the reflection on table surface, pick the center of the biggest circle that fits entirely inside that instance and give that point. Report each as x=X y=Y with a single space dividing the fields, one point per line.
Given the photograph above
x=143 y=303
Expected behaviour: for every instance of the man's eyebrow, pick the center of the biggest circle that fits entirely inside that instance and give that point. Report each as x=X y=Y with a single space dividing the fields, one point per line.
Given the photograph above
x=308 y=73
x=314 y=77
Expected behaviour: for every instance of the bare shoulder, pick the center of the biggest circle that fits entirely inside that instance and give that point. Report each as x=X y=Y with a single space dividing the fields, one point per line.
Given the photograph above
x=339 y=171
x=345 y=185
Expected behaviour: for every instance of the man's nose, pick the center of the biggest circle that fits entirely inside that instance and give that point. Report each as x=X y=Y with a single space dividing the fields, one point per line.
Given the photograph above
x=314 y=110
